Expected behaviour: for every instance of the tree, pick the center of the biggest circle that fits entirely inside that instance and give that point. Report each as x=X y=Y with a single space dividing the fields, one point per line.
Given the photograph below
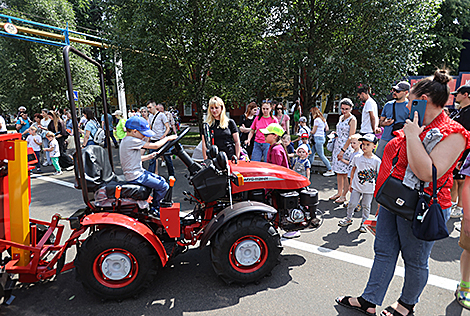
x=448 y=41
x=185 y=50
x=32 y=73
x=336 y=45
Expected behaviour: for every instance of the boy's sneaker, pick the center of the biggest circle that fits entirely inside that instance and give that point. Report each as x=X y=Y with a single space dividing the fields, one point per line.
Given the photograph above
x=292 y=234
x=163 y=163
x=154 y=211
x=456 y=212
x=345 y=222
x=363 y=229
x=57 y=173
x=329 y=173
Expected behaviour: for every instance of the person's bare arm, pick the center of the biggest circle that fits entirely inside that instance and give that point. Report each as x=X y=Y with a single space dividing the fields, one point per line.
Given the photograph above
x=236 y=139
x=159 y=143
x=250 y=136
x=149 y=156
x=352 y=131
x=308 y=173
x=167 y=130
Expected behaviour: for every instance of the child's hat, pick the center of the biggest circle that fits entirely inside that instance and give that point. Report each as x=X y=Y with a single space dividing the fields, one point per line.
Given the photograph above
x=139 y=124
x=304 y=147
x=273 y=128
x=369 y=138
x=304 y=135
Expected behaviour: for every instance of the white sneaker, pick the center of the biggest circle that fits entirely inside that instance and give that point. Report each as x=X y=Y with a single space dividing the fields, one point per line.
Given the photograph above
x=45 y=164
x=163 y=163
x=69 y=168
x=456 y=212
x=458 y=226
x=292 y=234
x=57 y=173
x=329 y=173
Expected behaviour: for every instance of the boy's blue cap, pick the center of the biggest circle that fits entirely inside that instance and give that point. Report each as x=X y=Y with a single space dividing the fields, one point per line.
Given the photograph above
x=139 y=124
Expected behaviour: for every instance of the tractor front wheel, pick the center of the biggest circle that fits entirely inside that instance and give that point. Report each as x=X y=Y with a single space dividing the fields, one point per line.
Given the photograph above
x=245 y=249
x=116 y=263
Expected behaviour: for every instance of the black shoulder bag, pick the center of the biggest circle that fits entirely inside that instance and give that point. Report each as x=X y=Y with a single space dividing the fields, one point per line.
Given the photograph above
x=398 y=198
x=429 y=223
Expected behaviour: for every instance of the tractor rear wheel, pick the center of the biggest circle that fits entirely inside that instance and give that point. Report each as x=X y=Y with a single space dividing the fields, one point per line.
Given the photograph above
x=245 y=249
x=116 y=263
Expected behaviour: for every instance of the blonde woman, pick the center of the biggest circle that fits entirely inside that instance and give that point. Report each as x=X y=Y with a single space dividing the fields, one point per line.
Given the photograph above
x=223 y=131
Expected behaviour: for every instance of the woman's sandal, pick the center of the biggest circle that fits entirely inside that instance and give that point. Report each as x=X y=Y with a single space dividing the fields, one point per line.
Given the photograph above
x=390 y=311
x=334 y=197
x=340 y=200
x=462 y=295
x=344 y=301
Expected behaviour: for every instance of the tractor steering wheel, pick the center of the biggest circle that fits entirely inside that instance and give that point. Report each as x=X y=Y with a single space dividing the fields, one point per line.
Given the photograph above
x=171 y=143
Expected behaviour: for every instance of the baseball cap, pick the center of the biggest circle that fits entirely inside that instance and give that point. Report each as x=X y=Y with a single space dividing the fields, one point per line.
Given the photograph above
x=304 y=147
x=402 y=86
x=302 y=119
x=117 y=112
x=273 y=128
x=139 y=124
x=369 y=137
x=462 y=90
x=304 y=135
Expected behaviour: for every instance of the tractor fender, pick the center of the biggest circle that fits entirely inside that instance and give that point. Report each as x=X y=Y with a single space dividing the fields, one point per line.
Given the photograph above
x=130 y=223
x=228 y=213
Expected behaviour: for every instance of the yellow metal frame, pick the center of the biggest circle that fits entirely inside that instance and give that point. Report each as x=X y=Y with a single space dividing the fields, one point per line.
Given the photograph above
x=18 y=188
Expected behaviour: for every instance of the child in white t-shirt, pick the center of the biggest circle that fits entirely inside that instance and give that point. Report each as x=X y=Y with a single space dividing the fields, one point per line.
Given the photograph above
x=54 y=152
x=35 y=141
x=353 y=150
x=364 y=171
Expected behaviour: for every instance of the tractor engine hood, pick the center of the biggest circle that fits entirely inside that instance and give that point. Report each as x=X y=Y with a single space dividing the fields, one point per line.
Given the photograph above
x=261 y=175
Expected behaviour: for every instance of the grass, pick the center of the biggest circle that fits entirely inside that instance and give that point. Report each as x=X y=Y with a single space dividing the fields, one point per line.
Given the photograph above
x=191 y=138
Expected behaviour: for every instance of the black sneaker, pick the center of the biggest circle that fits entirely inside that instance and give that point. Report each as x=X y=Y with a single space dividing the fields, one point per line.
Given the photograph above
x=154 y=211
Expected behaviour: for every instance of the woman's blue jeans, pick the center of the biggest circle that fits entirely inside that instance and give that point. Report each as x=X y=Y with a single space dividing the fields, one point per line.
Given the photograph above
x=394 y=235
x=260 y=150
x=318 y=148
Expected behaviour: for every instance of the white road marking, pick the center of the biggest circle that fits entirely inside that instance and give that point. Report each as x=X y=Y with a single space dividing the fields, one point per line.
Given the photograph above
x=441 y=282
x=53 y=180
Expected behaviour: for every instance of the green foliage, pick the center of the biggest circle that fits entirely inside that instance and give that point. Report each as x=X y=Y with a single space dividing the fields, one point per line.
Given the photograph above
x=448 y=33
x=185 y=50
x=339 y=44
x=33 y=74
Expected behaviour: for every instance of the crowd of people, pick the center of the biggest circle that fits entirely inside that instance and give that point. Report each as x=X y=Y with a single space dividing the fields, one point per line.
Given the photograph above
x=389 y=143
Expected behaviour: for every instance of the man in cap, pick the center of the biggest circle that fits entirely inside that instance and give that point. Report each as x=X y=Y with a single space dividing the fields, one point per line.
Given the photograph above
x=462 y=115
x=370 y=119
x=394 y=114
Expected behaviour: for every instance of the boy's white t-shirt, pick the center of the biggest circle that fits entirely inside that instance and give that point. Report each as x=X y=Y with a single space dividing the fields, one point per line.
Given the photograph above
x=131 y=157
x=366 y=172
x=31 y=143
x=55 y=151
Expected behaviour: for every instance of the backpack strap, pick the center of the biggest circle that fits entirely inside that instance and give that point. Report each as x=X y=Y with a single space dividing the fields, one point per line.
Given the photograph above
x=394 y=114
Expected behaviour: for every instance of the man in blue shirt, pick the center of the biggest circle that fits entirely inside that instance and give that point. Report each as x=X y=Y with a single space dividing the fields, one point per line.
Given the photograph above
x=23 y=124
x=393 y=115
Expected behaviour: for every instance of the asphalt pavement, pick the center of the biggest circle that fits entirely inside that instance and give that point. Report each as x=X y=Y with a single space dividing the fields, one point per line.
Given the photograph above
x=313 y=269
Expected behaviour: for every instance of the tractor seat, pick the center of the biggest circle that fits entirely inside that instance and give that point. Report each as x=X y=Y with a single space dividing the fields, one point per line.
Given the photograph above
x=128 y=191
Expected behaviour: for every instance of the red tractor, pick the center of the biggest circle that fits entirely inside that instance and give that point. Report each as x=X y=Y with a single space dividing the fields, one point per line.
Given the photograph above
x=239 y=207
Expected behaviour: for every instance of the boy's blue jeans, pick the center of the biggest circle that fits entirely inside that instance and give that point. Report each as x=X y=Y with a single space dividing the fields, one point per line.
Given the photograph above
x=156 y=182
x=394 y=235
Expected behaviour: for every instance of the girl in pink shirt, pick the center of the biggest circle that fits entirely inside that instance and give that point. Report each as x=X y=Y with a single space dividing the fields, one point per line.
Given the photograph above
x=260 y=148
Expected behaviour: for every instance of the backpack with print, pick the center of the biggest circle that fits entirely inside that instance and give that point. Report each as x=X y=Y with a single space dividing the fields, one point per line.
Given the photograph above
x=99 y=136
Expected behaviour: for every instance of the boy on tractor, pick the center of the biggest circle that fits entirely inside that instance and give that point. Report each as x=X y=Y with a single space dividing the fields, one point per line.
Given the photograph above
x=131 y=159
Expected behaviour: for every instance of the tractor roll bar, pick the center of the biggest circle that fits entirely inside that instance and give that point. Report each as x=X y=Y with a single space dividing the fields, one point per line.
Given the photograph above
x=73 y=112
